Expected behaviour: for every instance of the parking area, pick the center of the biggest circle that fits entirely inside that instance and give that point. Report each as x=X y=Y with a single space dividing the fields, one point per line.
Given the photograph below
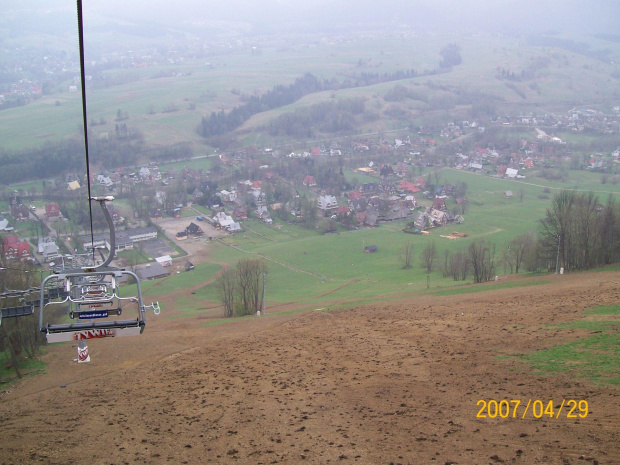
x=195 y=247
x=157 y=248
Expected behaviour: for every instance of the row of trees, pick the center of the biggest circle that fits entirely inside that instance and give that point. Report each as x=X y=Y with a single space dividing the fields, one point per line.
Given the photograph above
x=241 y=288
x=479 y=259
x=221 y=122
x=327 y=117
x=121 y=148
x=579 y=232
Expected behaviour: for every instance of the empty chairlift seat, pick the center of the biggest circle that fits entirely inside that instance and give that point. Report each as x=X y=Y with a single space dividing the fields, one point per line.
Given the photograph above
x=94 y=300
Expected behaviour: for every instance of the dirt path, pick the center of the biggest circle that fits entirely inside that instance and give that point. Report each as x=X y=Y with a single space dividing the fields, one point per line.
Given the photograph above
x=398 y=382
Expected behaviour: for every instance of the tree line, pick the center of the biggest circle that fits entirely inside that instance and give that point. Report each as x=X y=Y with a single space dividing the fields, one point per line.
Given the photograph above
x=579 y=232
x=52 y=159
x=327 y=117
x=219 y=123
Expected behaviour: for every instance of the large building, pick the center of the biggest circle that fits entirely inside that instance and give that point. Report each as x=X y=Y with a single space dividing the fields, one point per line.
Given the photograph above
x=14 y=248
x=124 y=240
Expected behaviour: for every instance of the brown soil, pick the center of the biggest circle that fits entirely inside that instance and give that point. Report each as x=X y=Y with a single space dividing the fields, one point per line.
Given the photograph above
x=392 y=383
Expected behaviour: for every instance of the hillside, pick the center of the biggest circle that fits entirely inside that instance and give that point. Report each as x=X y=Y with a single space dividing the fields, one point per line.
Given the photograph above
x=398 y=382
x=165 y=101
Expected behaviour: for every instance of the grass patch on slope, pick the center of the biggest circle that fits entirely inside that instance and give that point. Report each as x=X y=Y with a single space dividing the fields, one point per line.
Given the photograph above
x=27 y=367
x=469 y=289
x=595 y=358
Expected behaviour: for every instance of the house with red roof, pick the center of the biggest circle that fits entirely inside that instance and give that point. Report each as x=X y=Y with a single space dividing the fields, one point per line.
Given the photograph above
x=315 y=152
x=355 y=195
x=343 y=211
x=14 y=248
x=439 y=204
x=309 y=181
x=52 y=210
x=408 y=187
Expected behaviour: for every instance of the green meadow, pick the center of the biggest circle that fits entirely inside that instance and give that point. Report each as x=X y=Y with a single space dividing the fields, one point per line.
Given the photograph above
x=595 y=357
x=167 y=101
x=312 y=269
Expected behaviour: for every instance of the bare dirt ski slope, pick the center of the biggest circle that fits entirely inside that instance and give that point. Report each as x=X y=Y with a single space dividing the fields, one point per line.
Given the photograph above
x=397 y=382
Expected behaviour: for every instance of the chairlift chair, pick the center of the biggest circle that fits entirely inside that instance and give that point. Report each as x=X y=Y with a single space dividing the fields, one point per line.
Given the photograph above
x=92 y=295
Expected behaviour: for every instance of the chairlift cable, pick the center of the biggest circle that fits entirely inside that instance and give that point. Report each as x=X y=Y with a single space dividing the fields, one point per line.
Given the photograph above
x=85 y=119
x=81 y=286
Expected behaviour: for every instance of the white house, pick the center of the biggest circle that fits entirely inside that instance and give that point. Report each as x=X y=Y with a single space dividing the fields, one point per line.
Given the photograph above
x=512 y=173
x=104 y=180
x=4 y=225
x=228 y=196
x=235 y=227
x=48 y=248
x=223 y=220
x=328 y=203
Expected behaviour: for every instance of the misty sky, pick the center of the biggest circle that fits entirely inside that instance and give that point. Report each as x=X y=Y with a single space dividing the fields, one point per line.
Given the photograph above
x=575 y=17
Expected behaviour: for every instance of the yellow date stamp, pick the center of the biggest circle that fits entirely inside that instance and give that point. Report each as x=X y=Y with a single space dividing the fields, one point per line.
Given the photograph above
x=534 y=408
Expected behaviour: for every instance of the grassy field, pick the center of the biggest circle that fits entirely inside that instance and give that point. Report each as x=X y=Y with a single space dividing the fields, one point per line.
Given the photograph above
x=595 y=357
x=310 y=268
x=27 y=367
x=196 y=88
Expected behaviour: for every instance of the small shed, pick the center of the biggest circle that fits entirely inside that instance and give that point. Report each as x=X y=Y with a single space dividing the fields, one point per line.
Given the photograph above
x=189 y=266
x=370 y=249
x=165 y=260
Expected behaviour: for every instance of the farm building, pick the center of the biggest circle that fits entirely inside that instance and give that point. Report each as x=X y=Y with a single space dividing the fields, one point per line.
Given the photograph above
x=152 y=271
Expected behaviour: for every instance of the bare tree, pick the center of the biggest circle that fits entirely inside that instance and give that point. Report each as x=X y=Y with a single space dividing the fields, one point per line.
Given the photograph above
x=249 y=273
x=482 y=256
x=134 y=259
x=460 y=189
x=555 y=229
x=571 y=230
x=226 y=287
x=508 y=260
x=462 y=207
x=459 y=265
x=429 y=255
x=519 y=248
x=445 y=266
x=405 y=255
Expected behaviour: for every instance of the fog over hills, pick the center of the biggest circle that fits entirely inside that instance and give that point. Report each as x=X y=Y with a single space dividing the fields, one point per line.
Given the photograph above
x=274 y=16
